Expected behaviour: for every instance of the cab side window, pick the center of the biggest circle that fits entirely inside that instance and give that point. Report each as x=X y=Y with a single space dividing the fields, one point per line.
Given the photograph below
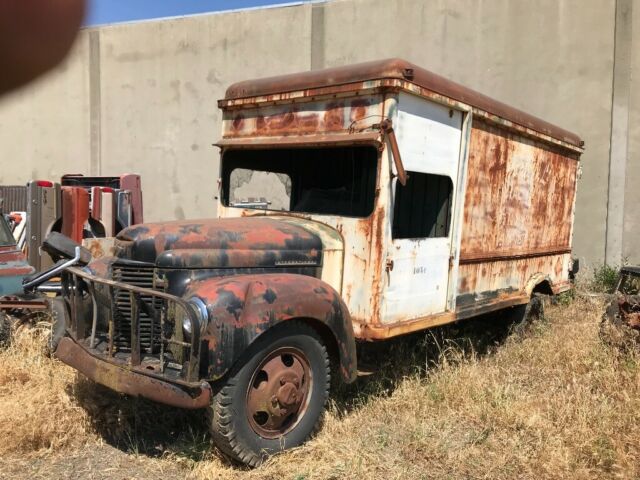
x=423 y=206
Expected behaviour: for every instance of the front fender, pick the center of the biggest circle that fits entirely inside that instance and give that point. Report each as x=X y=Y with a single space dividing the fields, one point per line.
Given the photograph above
x=243 y=307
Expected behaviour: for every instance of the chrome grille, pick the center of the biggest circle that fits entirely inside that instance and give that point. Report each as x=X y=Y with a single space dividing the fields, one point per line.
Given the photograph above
x=139 y=276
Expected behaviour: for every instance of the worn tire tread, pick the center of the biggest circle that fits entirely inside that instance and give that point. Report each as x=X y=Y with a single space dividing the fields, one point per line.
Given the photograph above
x=221 y=412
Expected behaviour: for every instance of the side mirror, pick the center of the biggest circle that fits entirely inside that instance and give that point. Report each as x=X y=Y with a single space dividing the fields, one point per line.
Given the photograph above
x=65 y=252
x=60 y=247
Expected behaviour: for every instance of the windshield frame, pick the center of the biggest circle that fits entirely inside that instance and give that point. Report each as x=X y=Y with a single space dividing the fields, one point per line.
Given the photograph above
x=6 y=236
x=226 y=171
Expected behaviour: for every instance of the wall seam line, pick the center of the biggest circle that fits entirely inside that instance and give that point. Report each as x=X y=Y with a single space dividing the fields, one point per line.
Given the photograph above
x=95 y=103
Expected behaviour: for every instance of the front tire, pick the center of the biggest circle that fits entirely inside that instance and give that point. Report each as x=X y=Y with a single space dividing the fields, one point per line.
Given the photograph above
x=275 y=397
x=58 y=328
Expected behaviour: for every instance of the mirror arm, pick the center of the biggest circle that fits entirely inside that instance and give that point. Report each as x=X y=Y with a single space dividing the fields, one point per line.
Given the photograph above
x=55 y=271
x=386 y=128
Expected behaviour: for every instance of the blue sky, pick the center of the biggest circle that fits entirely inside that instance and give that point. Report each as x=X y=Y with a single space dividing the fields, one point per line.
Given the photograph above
x=113 y=11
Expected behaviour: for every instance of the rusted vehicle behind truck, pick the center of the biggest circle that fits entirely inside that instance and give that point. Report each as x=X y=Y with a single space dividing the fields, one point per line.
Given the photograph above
x=13 y=264
x=356 y=204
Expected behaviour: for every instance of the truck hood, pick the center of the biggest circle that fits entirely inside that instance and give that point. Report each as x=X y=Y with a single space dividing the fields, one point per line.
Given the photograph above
x=247 y=242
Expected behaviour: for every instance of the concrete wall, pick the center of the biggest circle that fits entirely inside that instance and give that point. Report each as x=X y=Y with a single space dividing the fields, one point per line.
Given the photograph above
x=551 y=58
x=44 y=129
x=142 y=97
x=160 y=83
x=629 y=184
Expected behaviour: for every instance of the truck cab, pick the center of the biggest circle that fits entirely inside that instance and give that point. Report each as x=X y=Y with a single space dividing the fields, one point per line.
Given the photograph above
x=355 y=204
x=389 y=241
x=13 y=264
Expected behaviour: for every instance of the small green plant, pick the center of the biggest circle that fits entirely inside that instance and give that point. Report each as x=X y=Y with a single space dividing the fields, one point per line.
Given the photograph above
x=565 y=298
x=605 y=278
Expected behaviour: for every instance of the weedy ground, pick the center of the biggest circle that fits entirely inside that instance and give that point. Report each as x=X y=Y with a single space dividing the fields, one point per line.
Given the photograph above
x=559 y=398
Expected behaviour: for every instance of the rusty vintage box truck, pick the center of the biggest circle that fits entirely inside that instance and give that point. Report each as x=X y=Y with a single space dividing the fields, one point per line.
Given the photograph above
x=356 y=204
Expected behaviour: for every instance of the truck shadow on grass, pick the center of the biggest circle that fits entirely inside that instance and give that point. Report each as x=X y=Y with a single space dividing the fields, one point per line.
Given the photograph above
x=139 y=426
x=383 y=365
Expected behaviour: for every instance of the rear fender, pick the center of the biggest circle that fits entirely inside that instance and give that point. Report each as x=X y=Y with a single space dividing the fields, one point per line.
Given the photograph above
x=539 y=279
x=243 y=307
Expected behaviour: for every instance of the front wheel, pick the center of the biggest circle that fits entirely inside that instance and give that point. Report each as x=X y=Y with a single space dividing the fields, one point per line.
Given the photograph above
x=274 y=399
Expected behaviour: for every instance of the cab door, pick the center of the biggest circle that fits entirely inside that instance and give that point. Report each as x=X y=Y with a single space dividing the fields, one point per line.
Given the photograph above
x=418 y=258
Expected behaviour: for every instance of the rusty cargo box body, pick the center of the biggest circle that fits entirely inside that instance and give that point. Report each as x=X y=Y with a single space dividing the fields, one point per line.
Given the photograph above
x=513 y=180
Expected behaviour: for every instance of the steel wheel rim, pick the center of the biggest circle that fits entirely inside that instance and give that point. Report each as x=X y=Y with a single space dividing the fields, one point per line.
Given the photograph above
x=279 y=392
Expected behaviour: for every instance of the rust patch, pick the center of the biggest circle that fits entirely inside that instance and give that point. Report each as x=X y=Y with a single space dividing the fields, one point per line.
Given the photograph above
x=334 y=117
x=241 y=307
x=359 y=109
x=518 y=213
x=627 y=311
x=130 y=382
x=238 y=122
x=221 y=242
x=317 y=117
x=13 y=263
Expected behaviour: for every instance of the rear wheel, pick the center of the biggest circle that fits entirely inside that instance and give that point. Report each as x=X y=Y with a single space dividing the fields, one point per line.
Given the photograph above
x=522 y=316
x=274 y=399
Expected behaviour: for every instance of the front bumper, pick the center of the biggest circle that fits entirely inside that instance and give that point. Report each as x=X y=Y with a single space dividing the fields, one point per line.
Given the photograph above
x=132 y=383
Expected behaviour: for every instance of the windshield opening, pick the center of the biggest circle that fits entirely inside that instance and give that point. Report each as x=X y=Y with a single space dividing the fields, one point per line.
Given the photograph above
x=321 y=180
x=6 y=237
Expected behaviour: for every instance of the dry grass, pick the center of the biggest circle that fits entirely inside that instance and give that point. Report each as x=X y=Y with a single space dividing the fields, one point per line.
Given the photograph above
x=38 y=414
x=551 y=402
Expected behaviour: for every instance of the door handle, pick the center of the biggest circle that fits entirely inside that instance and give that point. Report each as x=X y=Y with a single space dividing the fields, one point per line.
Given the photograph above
x=389 y=265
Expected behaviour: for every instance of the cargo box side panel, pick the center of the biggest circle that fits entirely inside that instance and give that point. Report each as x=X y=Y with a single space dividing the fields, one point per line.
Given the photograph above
x=518 y=216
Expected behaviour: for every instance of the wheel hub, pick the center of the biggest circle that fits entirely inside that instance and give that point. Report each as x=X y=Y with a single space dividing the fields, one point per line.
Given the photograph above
x=288 y=396
x=278 y=393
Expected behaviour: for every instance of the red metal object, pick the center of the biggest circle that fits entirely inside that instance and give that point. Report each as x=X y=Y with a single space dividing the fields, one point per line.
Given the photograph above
x=625 y=309
x=13 y=262
x=75 y=212
x=129 y=181
x=96 y=203
x=13 y=269
x=133 y=183
x=629 y=310
x=16 y=303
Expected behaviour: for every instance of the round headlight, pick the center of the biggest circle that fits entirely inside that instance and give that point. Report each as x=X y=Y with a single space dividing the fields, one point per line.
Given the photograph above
x=187 y=328
x=200 y=308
